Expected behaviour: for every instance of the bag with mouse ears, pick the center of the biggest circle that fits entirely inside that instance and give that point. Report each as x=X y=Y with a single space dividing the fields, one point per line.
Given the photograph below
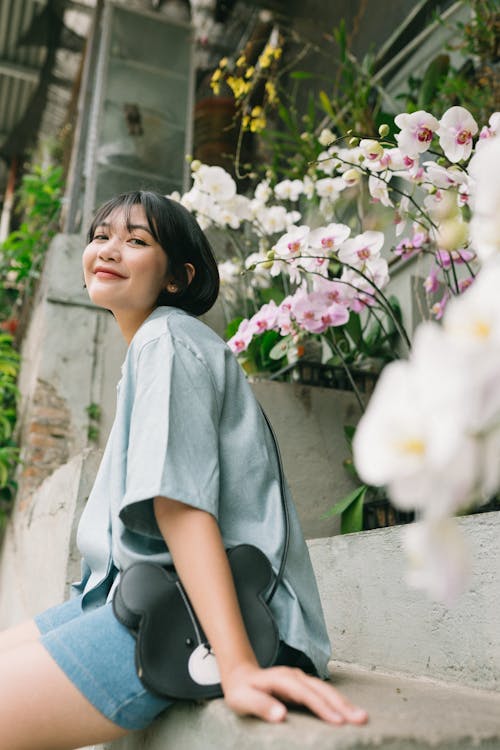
x=173 y=657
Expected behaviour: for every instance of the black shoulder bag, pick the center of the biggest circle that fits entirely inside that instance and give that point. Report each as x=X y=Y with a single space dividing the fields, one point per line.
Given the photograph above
x=172 y=654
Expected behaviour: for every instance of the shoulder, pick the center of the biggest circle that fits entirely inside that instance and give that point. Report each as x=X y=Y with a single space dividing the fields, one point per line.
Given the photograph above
x=170 y=333
x=170 y=324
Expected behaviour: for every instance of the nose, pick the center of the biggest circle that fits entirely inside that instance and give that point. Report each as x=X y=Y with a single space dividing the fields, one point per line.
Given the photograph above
x=109 y=250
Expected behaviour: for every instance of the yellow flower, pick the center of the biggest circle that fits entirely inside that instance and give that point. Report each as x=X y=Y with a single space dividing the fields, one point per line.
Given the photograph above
x=223 y=62
x=271 y=92
x=240 y=62
x=266 y=57
x=238 y=86
x=250 y=71
x=258 y=121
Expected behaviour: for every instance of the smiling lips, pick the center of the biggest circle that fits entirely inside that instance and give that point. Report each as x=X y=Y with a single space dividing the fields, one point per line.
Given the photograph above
x=107 y=273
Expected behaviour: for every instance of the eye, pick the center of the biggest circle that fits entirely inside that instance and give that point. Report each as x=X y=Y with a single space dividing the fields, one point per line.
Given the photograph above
x=137 y=241
x=99 y=236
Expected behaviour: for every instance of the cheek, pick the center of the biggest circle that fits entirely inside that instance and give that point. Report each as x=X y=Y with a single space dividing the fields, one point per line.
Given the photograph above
x=87 y=258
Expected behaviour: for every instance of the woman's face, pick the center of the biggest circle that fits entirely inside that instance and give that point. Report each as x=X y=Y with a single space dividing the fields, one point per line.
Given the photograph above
x=125 y=269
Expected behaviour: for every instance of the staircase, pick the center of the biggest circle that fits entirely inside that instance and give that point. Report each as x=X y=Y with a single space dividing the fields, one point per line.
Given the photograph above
x=428 y=676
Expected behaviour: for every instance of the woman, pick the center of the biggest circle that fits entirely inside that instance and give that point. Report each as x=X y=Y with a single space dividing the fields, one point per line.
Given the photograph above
x=189 y=469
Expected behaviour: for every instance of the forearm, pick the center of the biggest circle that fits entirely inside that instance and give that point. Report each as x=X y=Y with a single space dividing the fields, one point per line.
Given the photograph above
x=195 y=543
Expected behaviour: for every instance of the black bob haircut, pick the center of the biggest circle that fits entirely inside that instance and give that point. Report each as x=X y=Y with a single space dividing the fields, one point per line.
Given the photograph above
x=183 y=241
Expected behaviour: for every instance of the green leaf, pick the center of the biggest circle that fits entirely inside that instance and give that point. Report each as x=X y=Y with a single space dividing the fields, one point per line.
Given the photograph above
x=354 y=329
x=232 y=327
x=280 y=349
x=326 y=104
x=352 y=518
x=349 y=432
x=301 y=75
x=346 y=501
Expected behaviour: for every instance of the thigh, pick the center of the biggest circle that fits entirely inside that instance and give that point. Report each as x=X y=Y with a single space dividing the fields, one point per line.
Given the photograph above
x=22 y=633
x=30 y=630
x=97 y=654
x=40 y=708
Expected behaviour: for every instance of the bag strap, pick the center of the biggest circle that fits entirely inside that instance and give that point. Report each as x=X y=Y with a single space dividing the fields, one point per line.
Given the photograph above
x=286 y=515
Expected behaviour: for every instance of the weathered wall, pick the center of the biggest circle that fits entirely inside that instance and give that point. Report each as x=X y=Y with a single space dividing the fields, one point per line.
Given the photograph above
x=38 y=558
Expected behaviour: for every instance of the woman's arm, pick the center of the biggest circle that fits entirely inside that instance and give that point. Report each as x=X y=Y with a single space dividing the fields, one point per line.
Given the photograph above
x=195 y=543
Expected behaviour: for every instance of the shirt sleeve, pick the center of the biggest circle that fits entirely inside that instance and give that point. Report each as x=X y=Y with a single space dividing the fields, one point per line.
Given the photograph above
x=173 y=447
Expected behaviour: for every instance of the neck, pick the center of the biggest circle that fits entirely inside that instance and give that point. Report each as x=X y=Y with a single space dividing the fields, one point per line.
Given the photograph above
x=129 y=321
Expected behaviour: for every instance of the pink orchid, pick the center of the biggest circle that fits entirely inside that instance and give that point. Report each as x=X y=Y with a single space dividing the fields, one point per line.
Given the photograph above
x=242 y=338
x=446 y=257
x=456 y=130
x=264 y=319
x=431 y=283
x=314 y=313
x=465 y=284
x=417 y=131
x=283 y=317
x=492 y=129
x=439 y=307
x=332 y=289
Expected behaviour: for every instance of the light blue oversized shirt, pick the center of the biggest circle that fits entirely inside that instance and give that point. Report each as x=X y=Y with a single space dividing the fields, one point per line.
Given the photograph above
x=188 y=427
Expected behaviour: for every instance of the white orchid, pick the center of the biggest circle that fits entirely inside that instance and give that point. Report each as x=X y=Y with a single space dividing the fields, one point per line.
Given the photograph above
x=417 y=131
x=484 y=168
x=216 y=182
x=289 y=190
x=456 y=130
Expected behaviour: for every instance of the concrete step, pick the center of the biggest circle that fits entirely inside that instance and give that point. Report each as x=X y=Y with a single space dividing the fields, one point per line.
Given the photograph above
x=375 y=619
x=405 y=714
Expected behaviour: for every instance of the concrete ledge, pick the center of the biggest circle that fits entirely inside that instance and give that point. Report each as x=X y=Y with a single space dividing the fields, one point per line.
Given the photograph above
x=405 y=714
x=376 y=620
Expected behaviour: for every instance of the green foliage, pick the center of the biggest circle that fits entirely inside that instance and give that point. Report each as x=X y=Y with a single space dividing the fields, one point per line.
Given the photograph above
x=94 y=414
x=474 y=83
x=9 y=453
x=22 y=253
x=21 y=258
x=350 y=508
x=259 y=356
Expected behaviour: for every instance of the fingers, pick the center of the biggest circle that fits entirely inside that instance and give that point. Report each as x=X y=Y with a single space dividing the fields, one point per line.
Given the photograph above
x=257 y=703
x=318 y=696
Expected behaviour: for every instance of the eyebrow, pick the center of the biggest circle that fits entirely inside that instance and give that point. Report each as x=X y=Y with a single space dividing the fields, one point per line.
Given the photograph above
x=129 y=226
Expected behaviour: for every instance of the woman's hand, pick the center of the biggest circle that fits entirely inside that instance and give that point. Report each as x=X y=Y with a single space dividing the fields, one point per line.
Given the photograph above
x=250 y=690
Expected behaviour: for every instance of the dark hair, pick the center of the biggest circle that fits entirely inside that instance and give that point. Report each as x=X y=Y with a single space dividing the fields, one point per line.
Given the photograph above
x=183 y=241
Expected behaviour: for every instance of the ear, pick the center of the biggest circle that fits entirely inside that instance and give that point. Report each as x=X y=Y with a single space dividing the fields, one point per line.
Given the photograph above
x=190 y=272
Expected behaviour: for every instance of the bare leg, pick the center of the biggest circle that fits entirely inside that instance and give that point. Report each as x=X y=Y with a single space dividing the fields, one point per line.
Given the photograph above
x=12 y=637
x=40 y=708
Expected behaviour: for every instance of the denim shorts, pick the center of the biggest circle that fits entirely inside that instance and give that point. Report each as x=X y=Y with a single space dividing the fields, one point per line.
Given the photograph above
x=96 y=653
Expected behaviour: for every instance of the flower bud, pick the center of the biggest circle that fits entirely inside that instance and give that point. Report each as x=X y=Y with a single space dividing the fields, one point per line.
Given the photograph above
x=195 y=165
x=384 y=130
x=352 y=177
x=353 y=141
x=270 y=254
x=372 y=149
x=452 y=234
x=326 y=137
x=266 y=264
